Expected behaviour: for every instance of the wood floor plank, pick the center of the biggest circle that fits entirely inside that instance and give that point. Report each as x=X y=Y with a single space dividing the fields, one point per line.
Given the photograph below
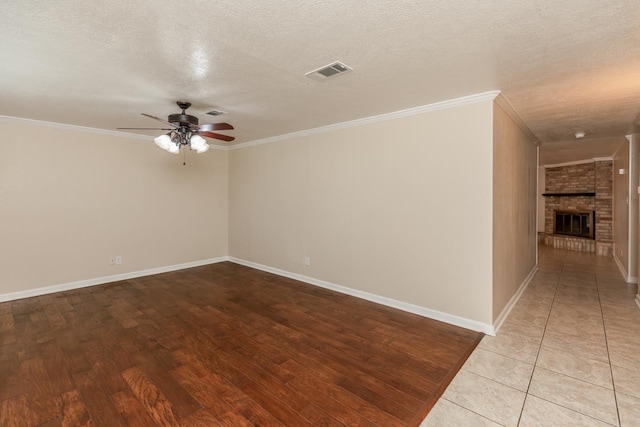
x=5 y=307
x=75 y=360
x=207 y=391
x=63 y=304
x=354 y=404
x=317 y=360
x=151 y=397
x=218 y=385
x=319 y=418
x=14 y=412
x=57 y=368
x=220 y=345
x=44 y=402
x=277 y=407
x=202 y=418
x=7 y=329
x=97 y=401
x=327 y=390
x=74 y=413
x=103 y=357
x=54 y=317
x=131 y=410
x=11 y=381
x=157 y=372
x=382 y=401
x=206 y=352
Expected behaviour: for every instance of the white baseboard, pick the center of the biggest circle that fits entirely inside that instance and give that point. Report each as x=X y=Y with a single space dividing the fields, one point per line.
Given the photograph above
x=400 y=305
x=106 y=279
x=623 y=270
x=633 y=280
x=514 y=299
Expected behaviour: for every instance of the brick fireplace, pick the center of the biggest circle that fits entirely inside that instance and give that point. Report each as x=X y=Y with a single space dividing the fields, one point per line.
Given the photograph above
x=580 y=193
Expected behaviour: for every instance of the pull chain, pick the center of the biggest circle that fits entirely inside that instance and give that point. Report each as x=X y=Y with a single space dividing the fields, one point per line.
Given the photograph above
x=184 y=157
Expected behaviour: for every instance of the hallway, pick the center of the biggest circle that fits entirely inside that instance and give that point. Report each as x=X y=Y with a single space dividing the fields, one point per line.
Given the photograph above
x=568 y=354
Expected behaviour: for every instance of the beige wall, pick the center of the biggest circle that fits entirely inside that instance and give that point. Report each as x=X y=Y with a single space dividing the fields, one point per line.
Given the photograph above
x=634 y=182
x=402 y=208
x=399 y=208
x=71 y=200
x=621 y=205
x=514 y=209
x=541 y=180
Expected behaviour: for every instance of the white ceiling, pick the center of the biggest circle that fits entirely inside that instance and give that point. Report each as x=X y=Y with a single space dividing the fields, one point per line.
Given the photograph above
x=565 y=66
x=579 y=149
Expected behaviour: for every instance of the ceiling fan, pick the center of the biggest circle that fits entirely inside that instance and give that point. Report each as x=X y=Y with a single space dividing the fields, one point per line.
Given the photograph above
x=185 y=130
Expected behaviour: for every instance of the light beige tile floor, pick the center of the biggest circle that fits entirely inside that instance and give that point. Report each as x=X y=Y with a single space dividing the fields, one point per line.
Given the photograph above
x=567 y=355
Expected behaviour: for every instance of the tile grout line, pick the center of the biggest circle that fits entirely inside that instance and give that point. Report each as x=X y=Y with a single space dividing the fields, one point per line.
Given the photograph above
x=572 y=410
x=495 y=381
x=535 y=363
x=606 y=342
x=472 y=411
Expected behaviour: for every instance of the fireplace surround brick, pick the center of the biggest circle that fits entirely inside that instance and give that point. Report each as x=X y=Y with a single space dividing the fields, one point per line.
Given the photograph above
x=594 y=177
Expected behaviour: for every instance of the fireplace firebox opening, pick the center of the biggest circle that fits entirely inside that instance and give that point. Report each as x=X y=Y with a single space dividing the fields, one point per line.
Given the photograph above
x=578 y=224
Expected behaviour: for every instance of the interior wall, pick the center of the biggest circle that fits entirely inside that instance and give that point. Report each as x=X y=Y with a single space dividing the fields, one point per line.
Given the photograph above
x=621 y=206
x=70 y=200
x=515 y=184
x=540 y=191
x=634 y=219
x=635 y=186
x=399 y=208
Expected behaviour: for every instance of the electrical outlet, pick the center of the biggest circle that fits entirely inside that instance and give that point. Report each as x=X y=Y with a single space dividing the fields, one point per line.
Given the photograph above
x=118 y=260
x=307 y=260
x=113 y=260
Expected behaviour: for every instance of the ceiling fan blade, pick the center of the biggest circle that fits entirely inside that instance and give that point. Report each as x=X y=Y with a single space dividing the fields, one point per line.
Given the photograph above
x=159 y=119
x=206 y=127
x=217 y=136
x=143 y=129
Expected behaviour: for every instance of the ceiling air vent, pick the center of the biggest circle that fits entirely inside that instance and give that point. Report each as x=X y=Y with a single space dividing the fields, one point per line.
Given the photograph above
x=329 y=71
x=215 y=113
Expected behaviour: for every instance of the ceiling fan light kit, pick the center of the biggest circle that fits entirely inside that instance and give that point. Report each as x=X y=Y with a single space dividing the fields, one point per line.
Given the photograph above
x=185 y=130
x=173 y=141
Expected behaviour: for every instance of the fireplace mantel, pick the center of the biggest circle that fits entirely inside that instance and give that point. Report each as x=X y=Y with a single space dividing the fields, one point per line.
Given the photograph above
x=585 y=194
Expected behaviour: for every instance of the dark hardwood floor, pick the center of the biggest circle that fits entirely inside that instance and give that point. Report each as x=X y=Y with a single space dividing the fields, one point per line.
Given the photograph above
x=220 y=345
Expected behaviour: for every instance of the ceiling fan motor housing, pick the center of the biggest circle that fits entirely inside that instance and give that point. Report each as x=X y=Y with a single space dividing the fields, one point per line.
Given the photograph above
x=183 y=119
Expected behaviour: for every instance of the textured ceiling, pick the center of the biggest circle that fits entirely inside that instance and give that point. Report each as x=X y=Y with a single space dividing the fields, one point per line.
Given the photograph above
x=580 y=149
x=564 y=65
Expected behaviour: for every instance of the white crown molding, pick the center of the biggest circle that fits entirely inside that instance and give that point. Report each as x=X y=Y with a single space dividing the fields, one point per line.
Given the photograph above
x=506 y=106
x=74 y=128
x=579 y=162
x=466 y=100
x=576 y=162
x=106 y=279
x=621 y=146
x=514 y=299
x=400 y=305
